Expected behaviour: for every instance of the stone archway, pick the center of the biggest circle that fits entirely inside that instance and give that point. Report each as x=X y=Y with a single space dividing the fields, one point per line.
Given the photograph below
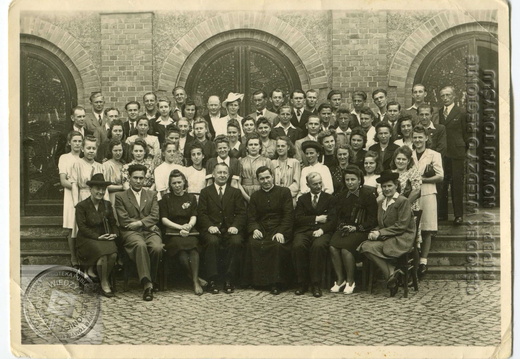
x=191 y=47
x=422 y=41
x=70 y=51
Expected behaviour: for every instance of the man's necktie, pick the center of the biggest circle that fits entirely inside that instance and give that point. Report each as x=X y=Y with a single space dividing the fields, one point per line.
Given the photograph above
x=220 y=194
x=445 y=113
x=314 y=201
x=259 y=113
x=298 y=113
x=100 y=120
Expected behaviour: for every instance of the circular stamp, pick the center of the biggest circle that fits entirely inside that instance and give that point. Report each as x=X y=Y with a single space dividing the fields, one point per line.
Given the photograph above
x=61 y=304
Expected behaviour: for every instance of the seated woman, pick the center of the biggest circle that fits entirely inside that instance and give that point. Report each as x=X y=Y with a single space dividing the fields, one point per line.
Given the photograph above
x=178 y=213
x=96 y=233
x=287 y=169
x=357 y=214
x=395 y=233
x=139 y=155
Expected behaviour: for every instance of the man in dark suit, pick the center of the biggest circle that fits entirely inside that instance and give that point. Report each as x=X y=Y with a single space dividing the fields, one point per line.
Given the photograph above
x=436 y=133
x=78 y=124
x=393 y=110
x=383 y=146
x=379 y=96
x=311 y=100
x=315 y=217
x=95 y=120
x=180 y=97
x=454 y=119
x=419 y=94
x=216 y=126
x=130 y=126
x=300 y=114
x=285 y=127
x=138 y=213
x=277 y=98
x=222 y=222
x=185 y=140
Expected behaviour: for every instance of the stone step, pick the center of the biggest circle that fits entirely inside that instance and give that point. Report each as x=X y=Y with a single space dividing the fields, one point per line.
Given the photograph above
x=464 y=258
x=456 y=243
x=45 y=243
x=469 y=274
x=41 y=257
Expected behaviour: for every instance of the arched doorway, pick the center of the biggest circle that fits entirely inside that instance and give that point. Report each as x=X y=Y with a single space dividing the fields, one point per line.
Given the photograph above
x=244 y=66
x=47 y=94
x=448 y=64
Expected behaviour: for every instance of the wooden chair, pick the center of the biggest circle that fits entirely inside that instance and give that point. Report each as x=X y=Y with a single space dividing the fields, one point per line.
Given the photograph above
x=129 y=268
x=408 y=263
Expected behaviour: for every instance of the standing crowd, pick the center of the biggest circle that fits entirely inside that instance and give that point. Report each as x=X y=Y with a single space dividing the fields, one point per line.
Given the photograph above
x=264 y=199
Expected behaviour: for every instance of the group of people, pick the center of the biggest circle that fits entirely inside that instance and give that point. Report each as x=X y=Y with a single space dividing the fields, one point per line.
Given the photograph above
x=263 y=198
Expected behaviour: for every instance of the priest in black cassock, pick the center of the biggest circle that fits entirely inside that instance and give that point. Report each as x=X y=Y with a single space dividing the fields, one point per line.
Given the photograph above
x=269 y=226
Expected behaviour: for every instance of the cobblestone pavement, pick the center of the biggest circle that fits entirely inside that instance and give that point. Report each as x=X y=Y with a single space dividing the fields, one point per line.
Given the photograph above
x=441 y=313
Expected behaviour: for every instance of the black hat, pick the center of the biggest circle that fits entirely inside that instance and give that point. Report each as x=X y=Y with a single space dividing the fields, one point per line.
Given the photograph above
x=387 y=175
x=98 y=180
x=312 y=144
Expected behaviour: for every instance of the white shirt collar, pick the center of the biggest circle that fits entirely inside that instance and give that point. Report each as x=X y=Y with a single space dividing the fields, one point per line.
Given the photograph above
x=137 y=195
x=226 y=161
x=313 y=138
x=80 y=130
x=280 y=125
x=386 y=203
x=450 y=107
x=217 y=187
x=431 y=126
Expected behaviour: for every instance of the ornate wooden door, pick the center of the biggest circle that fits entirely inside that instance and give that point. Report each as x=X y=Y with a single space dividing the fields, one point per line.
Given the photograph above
x=243 y=66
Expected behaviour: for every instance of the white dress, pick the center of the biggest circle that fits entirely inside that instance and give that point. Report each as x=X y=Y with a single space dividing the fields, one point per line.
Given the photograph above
x=69 y=212
x=196 y=179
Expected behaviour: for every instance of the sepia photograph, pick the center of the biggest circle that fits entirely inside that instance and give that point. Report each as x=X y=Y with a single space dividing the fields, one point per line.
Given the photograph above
x=260 y=179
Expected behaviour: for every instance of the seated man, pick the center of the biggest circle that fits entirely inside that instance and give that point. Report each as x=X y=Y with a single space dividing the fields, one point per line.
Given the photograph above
x=315 y=217
x=269 y=225
x=222 y=222
x=138 y=213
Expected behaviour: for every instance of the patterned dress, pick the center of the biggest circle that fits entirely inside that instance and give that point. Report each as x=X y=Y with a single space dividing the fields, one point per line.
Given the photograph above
x=149 y=179
x=413 y=179
x=287 y=174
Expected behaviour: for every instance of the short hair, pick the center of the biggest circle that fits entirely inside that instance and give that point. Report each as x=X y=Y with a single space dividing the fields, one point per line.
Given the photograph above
x=95 y=94
x=400 y=120
x=133 y=103
x=177 y=173
x=423 y=106
x=298 y=91
x=142 y=143
x=361 y=94
x=380 y=125
x=261 y=120
x=221 y=139
x=114 y=124
x=107 y=110
x=324 y=106
x=113 y=143
x=332 y=93
x=142 y=118
x=90 y=138
x=233 y=123
x=291 y=149
x=260 y=92
x=73 y=134
x=285 y=106
x=403 y=150
x=376 y=91
x=136 y=167
x=311 y=175
x=253 y=136
x=189 y=102
x=342 y=110
x=419 y=84
x=356 y=171
x=367 y=111
x=359 y=132
x=199 y=120
x=311 y=90
x=448 y=87
x=326 y=133
x=262 y=169
x=276 y=90
x=393 y=103
x=420 y=129
x=210 y=96
x=314 y=116
x=75 y=108
x=344 y=146
x=162 y=99
x=375 y=156
x=150 y=93
x=172 y=129
x=178 y=88
x=221 y=164
x=166 y=143
x=248 y=118
x=196 y=145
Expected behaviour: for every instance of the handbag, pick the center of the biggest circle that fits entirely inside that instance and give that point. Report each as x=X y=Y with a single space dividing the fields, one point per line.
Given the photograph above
x=429 y=171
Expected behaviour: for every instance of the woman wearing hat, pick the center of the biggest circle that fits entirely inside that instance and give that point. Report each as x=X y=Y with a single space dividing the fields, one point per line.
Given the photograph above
x=395 y=233
x=312 y=150
x=232 y=105
x=96 y=233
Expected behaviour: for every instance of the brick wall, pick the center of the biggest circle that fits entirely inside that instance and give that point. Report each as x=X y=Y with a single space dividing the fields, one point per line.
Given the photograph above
x=126 y=57
x=359 y=47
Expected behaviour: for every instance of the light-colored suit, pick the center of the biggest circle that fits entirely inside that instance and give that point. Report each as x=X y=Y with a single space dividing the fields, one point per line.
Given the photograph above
x=92 y=124
x=144 y=245
x=271 y=116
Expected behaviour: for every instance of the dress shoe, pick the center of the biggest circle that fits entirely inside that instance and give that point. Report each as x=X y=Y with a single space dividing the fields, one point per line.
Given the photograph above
x=212 y=287
x=107 y=294
x=275 y=290
x=458 y=221
x=301 y=290
x=148 y=294
x=349 y=289
x=393 y=280
x=423 y=268
x=155 y=287
x=338 y=287
x=316 y=291
x=393 y=291
x=228 y=287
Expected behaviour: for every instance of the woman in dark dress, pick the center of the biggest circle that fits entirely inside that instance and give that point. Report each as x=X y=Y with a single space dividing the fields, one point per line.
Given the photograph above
x=357 y=215
x=178 y=213
x=96 y=233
